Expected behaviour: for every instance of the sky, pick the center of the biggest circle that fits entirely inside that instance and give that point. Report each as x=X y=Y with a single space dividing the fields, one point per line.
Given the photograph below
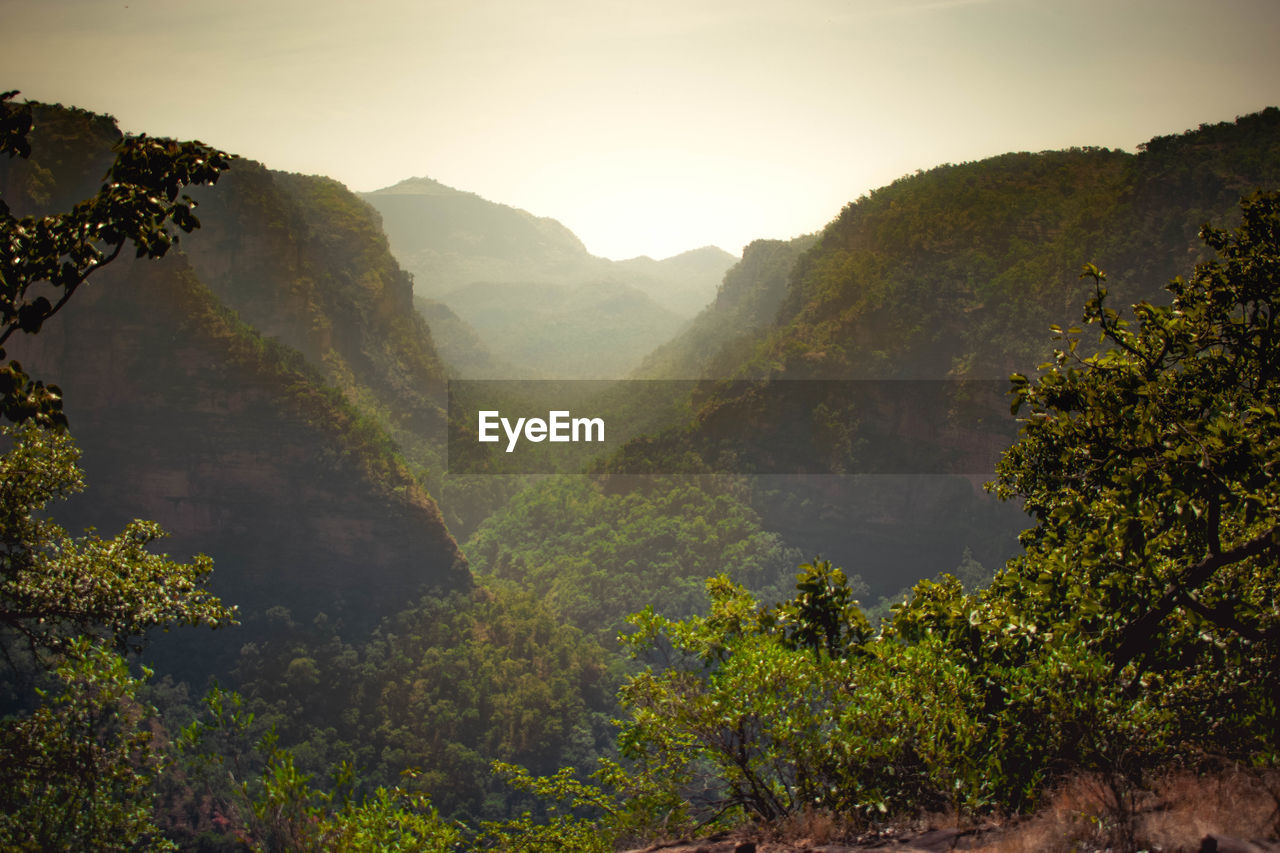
x=647 y=127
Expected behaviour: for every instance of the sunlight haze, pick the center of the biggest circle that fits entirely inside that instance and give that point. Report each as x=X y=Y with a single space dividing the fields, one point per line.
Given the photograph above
x=648 y=128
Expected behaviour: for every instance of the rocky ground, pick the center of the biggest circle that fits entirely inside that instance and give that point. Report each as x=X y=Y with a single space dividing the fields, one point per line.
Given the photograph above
x=1232 y=810
x=991 y=840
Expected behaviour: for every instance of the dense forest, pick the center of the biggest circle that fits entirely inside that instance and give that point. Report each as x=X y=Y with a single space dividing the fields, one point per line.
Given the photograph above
x=753 y=616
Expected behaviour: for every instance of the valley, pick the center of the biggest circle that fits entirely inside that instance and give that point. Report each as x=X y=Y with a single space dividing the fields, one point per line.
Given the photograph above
x=520 y=296
x=711 y=618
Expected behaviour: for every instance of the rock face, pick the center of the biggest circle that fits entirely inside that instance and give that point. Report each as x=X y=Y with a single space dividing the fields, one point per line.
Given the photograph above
x=258 y=435
x=301 y=259
x=725 y=331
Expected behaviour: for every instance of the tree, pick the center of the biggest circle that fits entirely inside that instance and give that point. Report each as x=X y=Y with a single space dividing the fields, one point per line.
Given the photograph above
x=51 y=587
x=823 y=615
x=1150 y=471
x=1150 y=468
x=45 y=259
x=75 y=769
x=55 y=588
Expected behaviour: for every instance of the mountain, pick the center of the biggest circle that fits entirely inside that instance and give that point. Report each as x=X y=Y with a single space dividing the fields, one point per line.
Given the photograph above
x=303 y=260
x=522 y=290
x=921 y=296
x=959 y=271
x=449 y=238
x=951 y=274
x=460 y=345
x=727 y=329
x=244 y=392
x=679 y=283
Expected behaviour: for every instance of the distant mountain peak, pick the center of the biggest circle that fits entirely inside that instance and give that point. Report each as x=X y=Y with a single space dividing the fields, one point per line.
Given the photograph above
x=420 y=186
x=707 y=251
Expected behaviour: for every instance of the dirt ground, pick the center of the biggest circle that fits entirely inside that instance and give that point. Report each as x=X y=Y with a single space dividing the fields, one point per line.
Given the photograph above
x=1234 y=811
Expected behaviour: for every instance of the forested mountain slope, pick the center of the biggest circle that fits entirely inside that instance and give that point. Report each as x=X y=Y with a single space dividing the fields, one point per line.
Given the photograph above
x=958 y=271
x=303 y=260
x=727 y=329
x=954 y=273
x=237 y=392
x=460 y=345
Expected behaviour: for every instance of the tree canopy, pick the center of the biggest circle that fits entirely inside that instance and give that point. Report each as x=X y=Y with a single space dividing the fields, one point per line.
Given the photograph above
x=51 y=587
x=1150 y=467
x=77 y=766
x=1139 y=630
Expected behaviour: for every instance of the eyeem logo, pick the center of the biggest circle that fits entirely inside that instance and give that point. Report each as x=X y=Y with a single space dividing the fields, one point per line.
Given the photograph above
x=558 y=426
x=892 y=426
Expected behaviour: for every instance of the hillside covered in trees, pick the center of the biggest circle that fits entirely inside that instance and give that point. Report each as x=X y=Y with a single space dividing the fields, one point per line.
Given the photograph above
x=950 y=275
x=265 y=392
x=618 y=656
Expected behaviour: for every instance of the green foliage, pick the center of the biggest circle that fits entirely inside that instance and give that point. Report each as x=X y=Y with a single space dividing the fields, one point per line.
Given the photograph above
x=823 y=615
x=1149 y=470
x=741 y=713
x=45 y=259
x=77 y=772
x=558 y=830
x=446 y=687
x=927 y=716
x=78 y=767
x=1026 y=701
x=15 y=125
x=612 y=807
x=392 y=820
x=598 y=551
x=54 y=588
x=278 y=809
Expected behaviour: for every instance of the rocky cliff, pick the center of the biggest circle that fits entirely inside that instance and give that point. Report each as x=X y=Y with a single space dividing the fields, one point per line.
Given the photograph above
x=242 y=392
x=304 y=261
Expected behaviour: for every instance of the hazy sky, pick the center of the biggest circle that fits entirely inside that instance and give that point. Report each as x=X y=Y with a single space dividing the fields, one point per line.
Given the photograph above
x=647 y=126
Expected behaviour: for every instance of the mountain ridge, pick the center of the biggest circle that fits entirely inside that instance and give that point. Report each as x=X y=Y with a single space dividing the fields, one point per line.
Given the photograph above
x=949 y=274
